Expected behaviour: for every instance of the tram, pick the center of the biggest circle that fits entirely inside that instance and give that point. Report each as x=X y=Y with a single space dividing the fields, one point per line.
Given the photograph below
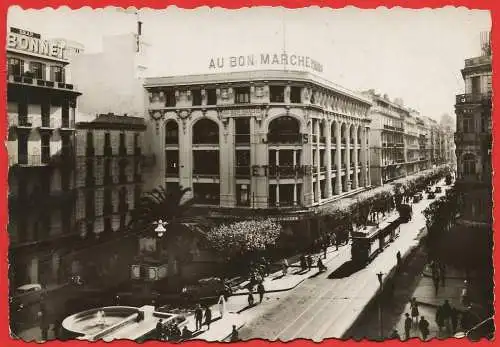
x=370 y=241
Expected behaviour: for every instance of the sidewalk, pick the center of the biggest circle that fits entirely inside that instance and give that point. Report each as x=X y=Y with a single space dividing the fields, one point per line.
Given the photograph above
x=238 y=311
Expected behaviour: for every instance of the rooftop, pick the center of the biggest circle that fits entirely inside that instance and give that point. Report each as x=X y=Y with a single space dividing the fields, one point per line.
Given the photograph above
x=112 y=120
x=249 y=76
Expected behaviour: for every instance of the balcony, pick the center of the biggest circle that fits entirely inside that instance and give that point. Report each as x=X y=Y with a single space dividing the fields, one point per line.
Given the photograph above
x=284 y=138
x=242 y=171
x=392 y=128
x=205 y=172
x=482 y=60
x=284 y=171
x=31 y=80
x=473 y=98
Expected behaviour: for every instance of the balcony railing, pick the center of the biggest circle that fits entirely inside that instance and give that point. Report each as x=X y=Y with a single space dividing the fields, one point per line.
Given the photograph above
x=285 y=171
x=205 y=172
x=390 y=127
x=284 y=138
x=39 y=82
x=475 y=98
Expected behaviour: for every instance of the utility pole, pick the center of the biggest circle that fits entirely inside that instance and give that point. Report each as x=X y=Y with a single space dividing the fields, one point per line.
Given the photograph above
x=380 y=317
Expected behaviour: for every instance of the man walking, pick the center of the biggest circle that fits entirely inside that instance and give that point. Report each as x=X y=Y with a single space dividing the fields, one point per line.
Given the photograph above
x=198 y=315
x=435 y=280
x=334 y=241
x=208 y=317
x=261 y=290
x=159 y=330
x=423 y=326
x=309 y=262
x=442 y=273
x=408 y=324
x=234 y=335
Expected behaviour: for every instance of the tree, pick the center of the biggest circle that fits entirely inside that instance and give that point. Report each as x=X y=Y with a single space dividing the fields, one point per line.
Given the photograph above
x=243 y=239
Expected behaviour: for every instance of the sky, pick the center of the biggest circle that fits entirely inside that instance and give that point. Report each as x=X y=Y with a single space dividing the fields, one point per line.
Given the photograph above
x=415 y=55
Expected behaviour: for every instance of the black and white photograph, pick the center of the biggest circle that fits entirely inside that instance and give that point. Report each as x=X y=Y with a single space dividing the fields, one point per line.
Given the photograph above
x=261 y=173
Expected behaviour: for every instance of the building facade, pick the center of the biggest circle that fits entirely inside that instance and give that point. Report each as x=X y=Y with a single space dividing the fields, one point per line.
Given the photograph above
x=473 y=142
x=258 y=140
x=387 y=139
x=41 y=107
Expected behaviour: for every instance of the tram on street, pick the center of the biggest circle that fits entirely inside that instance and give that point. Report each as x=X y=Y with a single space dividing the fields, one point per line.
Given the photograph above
x=370 y=241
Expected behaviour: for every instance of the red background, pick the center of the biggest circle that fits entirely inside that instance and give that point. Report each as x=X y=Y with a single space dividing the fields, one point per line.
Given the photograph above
x=492 y=5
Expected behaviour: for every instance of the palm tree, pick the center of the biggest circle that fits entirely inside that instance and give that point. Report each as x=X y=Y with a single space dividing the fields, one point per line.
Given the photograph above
x=173 y=208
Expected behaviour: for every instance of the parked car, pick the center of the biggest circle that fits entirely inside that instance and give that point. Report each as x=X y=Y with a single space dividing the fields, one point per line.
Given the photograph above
x=27 y=295
x=438 y=189
x=417 y=197
x=431 y=195
x=205 y=288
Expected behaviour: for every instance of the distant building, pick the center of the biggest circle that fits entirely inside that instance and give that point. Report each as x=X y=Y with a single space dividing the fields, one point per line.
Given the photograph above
x=111 y=80
x=474 y=142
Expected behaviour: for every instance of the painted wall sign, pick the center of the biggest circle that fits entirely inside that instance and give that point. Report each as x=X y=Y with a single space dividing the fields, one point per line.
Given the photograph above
x=33 y=43
x=265 y=59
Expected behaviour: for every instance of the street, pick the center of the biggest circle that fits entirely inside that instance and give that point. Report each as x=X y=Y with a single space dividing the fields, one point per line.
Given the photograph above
x=325 y=307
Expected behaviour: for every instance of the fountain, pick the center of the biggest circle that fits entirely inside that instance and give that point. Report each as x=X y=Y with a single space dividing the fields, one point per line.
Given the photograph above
x=115 y=322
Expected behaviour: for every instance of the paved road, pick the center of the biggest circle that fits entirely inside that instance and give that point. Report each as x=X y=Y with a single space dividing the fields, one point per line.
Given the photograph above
x=323 y=307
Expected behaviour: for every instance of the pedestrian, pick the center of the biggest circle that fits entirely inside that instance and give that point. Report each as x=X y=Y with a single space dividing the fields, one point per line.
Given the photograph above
x=334 y=241
x=423 y=326
x=234 y=334
x=440 y=318
x=395 y=335
x=309 y=262
x=465 y=294
x=208 y=317
x=303 y=262
x=398 y=259
x=446 y=309
x=261 y=290
x=198 y=315
x=250 y=299
x=325 y=248
x=160 y=333
x=435 y=280
x=414 y=310
x=321 y=266
x=454 y=320
x=285 y=267
x=442 y=273
x=408 y=324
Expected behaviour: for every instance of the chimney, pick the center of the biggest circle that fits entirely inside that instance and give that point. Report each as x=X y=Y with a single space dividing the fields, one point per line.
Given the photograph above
x=139 y=28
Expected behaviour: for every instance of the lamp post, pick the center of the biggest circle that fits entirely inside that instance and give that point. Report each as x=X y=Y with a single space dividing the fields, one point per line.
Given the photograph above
x=380 y=321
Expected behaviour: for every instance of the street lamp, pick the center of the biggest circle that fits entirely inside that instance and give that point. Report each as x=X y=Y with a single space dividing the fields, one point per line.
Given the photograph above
x=160 y=227
x=381 y=325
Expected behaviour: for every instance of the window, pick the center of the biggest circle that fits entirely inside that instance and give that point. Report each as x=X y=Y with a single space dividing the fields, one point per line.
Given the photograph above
x=172 y=163
x=171 y=133
x=45 y=148
x=469 y=164
x=242 y=95
x=38 y=70
x=107 y=144
x=242 y=127
x=211 y=96
x=242 y=193
x=170 y=98
x=475 y=85
x=196 y=95
x=295 y=95
x=45 y=110
x=16 y=66
x=468 y=124
x=65 y=114
x=277 y=93
x=123 y=147
x=57 y=74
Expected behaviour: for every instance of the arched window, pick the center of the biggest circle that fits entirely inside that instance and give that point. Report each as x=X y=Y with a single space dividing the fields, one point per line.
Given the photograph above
x=343 y=133
x=171 y=133
x=205 y=131
x=284 y=129
x=469 y=164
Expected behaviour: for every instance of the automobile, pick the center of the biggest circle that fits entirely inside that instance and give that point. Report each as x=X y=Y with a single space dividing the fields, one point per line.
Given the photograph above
x=417 y=197
x=26 y=295
x=431 y=195
x=438 y=189
x=205 y=288
x=405 y=213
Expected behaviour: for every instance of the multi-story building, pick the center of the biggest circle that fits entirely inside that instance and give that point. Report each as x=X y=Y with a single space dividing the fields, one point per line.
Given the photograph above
x=259 y=140
x=473 y=141
x=412 y=145
x=387 y=139
x=424 y=153
x=41 y=107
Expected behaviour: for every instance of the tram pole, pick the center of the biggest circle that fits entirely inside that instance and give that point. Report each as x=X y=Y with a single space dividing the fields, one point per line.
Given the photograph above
x=380 y=320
